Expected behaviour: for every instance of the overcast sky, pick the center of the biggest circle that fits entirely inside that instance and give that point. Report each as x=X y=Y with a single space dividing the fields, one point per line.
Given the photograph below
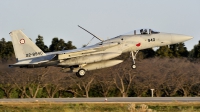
x=104 y=18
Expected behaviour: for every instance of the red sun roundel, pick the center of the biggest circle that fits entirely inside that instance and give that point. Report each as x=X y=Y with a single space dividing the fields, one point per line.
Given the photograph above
x=138 y=45
x=22 y=41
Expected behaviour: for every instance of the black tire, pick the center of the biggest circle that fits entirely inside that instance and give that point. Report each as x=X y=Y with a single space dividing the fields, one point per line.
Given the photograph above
x=133 y=66
x=80 y=73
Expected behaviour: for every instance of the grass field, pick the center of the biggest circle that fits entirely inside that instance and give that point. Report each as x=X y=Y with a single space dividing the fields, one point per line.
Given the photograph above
x=99 y=107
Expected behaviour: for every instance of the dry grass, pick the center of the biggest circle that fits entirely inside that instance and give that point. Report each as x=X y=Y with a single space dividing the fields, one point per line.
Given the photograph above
x=98 y=107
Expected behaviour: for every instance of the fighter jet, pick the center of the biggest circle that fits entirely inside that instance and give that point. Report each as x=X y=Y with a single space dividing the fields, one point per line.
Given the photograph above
x=92 y=57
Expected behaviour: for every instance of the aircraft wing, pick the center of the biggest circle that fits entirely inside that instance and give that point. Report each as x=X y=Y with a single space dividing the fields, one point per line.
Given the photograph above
x=98 y=48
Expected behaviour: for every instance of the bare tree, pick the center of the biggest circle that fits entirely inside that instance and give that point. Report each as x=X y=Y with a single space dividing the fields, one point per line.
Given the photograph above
x=83 y=84
x=55 y=82
x=150 y=76
x=28 y=81
x=105 y=86
x=123 y=78
x=87 y=85
x=7 y=88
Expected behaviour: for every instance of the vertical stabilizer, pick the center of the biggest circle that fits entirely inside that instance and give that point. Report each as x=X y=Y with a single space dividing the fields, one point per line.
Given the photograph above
x=23 y=46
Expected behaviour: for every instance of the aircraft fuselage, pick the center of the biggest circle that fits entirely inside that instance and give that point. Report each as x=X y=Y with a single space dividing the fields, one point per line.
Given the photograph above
x=129 y=43
x=92 y=57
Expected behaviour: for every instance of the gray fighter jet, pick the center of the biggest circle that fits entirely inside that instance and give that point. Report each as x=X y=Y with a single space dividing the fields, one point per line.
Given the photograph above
x=92 y=57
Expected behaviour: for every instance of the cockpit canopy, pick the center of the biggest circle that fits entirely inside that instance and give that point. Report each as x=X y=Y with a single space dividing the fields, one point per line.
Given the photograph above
x=143 y=31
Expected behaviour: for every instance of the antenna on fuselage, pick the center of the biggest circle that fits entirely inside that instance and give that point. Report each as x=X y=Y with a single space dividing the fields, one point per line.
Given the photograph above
x=89 y=42
x=91 y=34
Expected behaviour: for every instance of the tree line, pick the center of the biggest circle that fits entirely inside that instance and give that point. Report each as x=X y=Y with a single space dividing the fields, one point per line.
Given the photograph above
x=170 y=70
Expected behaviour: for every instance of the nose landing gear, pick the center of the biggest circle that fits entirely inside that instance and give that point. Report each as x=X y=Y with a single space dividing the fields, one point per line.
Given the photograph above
x=133 y=55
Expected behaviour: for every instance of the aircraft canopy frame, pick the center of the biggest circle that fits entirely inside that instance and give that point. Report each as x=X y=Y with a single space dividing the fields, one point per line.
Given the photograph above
x=142 y=31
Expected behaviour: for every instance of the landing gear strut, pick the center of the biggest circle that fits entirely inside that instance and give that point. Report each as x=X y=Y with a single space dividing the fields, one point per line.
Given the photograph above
x=133 y=55
x=80 y=73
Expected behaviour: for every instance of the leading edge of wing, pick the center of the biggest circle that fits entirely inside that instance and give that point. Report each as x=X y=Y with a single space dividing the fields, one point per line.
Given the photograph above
x=89 y=49
x=83 y=51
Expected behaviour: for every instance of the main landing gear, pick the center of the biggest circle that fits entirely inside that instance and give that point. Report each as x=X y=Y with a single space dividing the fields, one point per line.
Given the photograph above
x=80 y=73
x=133 y=55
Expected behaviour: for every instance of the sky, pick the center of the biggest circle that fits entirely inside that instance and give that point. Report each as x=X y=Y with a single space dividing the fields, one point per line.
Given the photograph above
x=104 y=18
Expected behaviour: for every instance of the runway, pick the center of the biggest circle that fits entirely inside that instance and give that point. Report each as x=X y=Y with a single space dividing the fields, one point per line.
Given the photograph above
x=109 y=99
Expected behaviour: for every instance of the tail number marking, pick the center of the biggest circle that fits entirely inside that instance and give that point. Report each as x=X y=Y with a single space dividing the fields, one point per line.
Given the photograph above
x=34 y=54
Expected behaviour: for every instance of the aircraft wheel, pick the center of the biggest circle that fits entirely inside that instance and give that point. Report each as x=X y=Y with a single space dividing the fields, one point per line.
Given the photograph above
x=134 y=66
x=81 y=73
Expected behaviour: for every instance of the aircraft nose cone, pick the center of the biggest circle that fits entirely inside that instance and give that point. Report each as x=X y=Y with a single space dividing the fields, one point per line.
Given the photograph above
x=180 y=38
